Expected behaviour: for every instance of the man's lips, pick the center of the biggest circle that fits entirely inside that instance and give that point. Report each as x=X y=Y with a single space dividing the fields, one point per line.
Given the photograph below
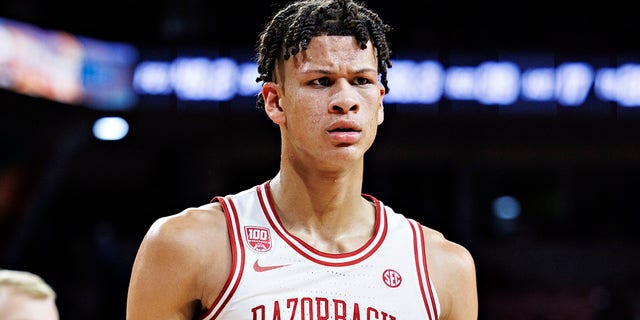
x=344 y=132
x=342 y=137
x=344 y=126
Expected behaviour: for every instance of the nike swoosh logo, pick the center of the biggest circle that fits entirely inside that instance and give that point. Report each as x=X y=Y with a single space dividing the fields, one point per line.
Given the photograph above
x=259 y=268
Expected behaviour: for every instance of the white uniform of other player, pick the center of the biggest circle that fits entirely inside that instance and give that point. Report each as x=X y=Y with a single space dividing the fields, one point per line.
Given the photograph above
x=275 y=275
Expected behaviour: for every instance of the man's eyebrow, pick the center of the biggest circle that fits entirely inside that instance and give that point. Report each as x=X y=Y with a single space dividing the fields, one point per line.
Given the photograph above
x=326 y=71
x=365 y=70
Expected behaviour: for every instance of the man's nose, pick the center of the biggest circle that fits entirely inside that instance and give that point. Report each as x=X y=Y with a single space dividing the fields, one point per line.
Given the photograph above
x=344 y=98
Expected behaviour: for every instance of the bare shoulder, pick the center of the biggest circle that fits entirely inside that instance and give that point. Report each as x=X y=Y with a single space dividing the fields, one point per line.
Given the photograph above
x=188 y=227
x=452 y=269
x=195 y=239
x=453 y=253
x=188 y=252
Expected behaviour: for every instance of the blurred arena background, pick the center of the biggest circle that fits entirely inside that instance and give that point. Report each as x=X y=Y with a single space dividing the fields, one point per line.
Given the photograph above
x=542 y=190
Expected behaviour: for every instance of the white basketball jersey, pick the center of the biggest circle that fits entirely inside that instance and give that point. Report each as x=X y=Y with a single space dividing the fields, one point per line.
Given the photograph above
x=275 y=275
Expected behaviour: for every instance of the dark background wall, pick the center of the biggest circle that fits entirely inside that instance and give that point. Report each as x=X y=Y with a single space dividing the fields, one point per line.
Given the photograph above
x=74 y=209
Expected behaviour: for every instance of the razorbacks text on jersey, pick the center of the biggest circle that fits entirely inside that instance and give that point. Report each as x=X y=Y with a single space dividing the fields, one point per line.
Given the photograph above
x=275 y=275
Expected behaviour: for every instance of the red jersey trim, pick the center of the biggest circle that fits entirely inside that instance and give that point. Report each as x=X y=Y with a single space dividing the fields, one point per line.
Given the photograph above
x=428 y=294
x=317 y=256
x=237 y=258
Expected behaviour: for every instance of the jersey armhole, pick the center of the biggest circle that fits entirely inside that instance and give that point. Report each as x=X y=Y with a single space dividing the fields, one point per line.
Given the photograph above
x=237 y=258
x=429 y=294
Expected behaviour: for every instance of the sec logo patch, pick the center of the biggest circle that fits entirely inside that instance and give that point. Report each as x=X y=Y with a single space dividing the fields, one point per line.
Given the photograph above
x=391 y=278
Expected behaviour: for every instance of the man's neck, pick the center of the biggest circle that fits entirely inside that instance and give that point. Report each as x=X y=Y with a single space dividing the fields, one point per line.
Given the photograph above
x=327 y=212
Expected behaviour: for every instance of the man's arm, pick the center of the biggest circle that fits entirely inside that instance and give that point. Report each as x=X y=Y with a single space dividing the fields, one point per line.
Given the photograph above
x=452 y=269
x=174 y=272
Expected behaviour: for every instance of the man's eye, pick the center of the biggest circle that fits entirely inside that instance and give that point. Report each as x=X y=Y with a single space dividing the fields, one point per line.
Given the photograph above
x=361 y=81
x=321 y=82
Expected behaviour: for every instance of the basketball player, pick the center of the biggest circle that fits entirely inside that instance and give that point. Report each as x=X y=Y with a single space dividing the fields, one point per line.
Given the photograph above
x=307 y=243
x=26 y=296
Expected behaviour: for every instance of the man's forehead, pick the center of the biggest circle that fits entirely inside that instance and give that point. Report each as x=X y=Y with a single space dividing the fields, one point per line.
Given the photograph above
x=331 y=50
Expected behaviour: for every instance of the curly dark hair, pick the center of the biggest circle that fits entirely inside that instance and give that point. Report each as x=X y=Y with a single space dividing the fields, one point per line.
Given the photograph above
x=292 y=27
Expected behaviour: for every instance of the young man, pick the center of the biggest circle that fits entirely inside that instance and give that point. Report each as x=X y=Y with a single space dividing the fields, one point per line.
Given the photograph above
x=307 y=244
x=26 y=296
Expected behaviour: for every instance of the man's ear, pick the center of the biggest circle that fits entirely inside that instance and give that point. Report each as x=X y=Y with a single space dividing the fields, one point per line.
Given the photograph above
x=272 y=102
x=381 y=107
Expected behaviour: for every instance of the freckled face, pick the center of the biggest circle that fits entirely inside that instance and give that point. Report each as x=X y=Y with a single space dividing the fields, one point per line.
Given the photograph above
x=329 y=102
